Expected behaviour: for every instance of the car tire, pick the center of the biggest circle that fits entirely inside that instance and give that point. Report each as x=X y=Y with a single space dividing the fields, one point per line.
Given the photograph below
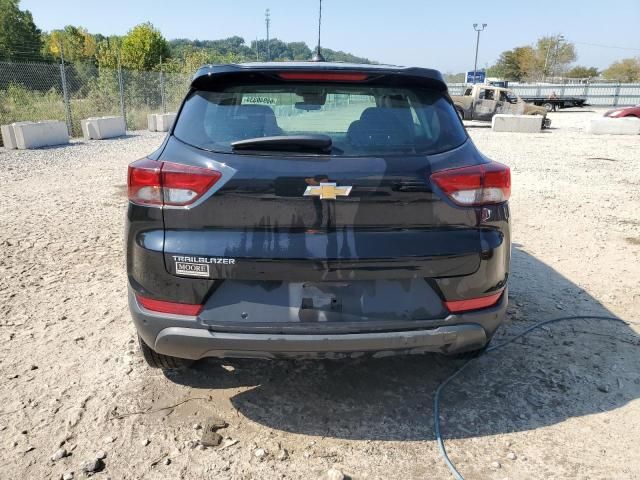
x=158 y=360
x=460 y=114
x=548 y=106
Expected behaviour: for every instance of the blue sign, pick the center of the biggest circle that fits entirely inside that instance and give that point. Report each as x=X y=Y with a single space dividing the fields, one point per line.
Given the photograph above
x=480 y=76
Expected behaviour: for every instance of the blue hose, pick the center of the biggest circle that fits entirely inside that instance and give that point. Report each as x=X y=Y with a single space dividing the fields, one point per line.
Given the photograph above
x=436 y=399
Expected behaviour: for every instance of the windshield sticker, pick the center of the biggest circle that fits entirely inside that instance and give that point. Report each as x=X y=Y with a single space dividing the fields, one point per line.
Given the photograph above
x=258 y=100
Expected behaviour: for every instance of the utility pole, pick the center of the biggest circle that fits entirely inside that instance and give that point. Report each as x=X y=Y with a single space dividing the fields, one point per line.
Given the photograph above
x=267 y=21
x=478 y=29
x=559 y=38
x=546 y=61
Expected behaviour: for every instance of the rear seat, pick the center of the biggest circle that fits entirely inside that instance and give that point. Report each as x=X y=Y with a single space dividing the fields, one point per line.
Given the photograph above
x=379 y=126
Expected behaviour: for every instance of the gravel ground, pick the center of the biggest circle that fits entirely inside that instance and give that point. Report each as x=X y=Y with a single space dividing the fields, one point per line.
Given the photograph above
x=564 y=402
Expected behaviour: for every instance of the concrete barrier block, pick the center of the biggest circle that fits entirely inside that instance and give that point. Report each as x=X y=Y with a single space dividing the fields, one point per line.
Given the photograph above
x=516 y=123
x=84 y=124
x=40 y=134
x=9 y=134
x=100 y=128
x=164 y=121
x=151 y=122
x=8 y=137
x=614 y=126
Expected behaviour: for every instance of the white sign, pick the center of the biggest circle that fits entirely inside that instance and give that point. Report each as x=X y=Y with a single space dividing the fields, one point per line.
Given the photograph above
x=259 y=100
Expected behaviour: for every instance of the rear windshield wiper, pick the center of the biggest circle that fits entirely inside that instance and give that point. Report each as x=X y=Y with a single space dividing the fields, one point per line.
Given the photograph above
x=287 y=143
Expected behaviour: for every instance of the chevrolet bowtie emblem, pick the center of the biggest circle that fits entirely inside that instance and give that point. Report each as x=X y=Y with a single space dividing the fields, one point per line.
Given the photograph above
x=327 y=191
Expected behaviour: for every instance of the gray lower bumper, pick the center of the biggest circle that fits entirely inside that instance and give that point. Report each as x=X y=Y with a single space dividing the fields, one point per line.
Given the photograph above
x=185 y=337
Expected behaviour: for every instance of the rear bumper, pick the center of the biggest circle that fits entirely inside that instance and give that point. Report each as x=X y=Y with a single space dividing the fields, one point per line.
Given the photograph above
x=187 y=337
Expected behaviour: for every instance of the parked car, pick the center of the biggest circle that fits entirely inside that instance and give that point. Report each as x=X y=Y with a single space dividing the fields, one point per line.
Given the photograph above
x=316 y=210
x=624 y=112
x=482 y=102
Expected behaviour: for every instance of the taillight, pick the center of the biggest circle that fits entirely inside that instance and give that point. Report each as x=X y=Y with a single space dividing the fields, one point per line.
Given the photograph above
x=164 y=183
x=485 y=184
x=183 y=184
x=144 y=182
x=169 y=307
x=458 y=306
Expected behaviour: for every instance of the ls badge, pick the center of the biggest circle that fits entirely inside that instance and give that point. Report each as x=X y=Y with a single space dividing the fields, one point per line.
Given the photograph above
x=327 y=191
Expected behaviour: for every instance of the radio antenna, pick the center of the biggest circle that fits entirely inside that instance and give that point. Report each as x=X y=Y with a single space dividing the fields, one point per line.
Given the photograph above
x=317 y=56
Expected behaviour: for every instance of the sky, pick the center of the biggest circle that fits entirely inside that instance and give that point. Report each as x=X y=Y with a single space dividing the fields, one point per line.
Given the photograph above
x=427 y=33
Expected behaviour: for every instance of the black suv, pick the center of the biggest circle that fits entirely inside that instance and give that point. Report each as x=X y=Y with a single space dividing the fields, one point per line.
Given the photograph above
x=316 y=210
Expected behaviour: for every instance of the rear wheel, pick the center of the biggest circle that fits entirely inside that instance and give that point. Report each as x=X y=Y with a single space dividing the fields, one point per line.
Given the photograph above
x=548 y=106
x=158 y=360
x=460 y=114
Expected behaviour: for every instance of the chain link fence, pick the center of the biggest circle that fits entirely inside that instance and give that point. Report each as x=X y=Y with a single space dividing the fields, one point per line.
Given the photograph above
x=71 y=93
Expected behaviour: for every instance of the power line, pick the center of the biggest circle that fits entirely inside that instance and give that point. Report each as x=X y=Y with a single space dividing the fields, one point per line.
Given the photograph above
x=607 y=46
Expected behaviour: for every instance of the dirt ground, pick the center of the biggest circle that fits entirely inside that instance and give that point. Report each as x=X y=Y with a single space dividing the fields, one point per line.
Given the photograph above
x=561 y=403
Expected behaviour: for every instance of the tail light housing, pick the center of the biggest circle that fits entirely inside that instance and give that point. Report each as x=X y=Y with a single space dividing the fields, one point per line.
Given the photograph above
x=156 y=183
x=485 y=184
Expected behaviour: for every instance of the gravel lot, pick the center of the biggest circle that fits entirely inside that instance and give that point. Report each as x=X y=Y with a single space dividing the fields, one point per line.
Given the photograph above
x=561 y=403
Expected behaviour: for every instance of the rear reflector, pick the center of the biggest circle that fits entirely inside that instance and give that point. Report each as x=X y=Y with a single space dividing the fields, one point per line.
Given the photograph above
x=324 y=76
x=169 y=307
x=457 y=306
x=485 y=184
x=164 y=183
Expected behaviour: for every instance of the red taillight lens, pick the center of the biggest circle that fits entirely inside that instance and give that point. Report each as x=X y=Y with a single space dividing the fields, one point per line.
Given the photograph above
x=324 y=76
x=183 y=184
x=169 y=307
x=485 y=184
x=144 y=182
x=165 y=183
x=457 y=306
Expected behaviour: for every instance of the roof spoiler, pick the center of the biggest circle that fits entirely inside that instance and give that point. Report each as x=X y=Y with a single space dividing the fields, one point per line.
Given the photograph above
x=209 y=76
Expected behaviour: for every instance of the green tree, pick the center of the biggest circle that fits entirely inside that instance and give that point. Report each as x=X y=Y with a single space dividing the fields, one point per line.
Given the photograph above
x=76 y=43
x=456 y=77
x=516 y=64
x=107 y=52
x=19 y=36
x=340 y=56
x=549 y=56
x=582 y=72
x=625 y=70
x=143 y=48
x=553 y=55
x=299 y=51
x=234 y=49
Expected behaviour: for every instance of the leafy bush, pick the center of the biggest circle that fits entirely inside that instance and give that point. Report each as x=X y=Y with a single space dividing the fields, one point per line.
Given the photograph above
x=18 y=103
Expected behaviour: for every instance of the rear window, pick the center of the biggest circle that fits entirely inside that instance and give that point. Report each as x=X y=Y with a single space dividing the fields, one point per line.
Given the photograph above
x=361 y=120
